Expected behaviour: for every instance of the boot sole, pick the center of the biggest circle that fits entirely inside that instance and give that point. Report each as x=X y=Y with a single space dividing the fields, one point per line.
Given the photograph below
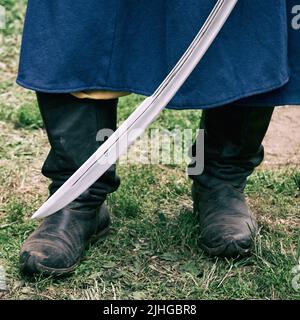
x=230 y=250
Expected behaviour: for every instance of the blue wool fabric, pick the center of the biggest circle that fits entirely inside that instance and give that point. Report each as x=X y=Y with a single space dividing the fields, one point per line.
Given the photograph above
x=131 y=45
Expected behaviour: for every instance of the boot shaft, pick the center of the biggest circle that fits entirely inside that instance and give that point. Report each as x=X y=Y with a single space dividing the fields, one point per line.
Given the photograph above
x=233 y=148
x=72 y=127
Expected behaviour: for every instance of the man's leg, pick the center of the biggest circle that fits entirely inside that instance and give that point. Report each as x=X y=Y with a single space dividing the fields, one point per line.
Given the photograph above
x=72 y=126
x=233 y=137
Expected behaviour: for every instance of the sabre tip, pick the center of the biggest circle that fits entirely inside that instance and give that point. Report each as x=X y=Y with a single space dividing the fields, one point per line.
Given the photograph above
x=38 y=214
x=34 y=216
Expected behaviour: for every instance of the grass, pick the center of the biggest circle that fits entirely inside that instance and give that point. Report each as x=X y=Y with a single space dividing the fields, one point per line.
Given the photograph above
x=152 y=251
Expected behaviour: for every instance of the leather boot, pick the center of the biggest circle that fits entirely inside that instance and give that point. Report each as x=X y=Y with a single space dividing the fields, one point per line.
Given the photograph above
x=58 y=244
x=233 y=137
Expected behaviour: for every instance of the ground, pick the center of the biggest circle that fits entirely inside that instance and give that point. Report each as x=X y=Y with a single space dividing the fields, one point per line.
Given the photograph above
x=152 y=251
x=283 y=138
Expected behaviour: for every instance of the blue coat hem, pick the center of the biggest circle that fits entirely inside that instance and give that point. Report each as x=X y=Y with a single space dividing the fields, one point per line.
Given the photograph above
x=170 y=106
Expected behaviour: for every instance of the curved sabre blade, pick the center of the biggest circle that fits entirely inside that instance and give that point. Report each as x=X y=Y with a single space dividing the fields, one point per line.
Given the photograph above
x=119 y=142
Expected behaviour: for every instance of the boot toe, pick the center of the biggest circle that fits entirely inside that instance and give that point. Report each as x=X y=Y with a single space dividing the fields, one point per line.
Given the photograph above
x=226 y=241
x=44 y=258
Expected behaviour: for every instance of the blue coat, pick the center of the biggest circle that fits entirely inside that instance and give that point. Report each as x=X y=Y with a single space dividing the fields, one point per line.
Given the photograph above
x=131 y=45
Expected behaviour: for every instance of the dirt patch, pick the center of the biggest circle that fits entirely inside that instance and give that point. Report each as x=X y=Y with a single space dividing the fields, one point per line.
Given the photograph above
x=282 y=142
